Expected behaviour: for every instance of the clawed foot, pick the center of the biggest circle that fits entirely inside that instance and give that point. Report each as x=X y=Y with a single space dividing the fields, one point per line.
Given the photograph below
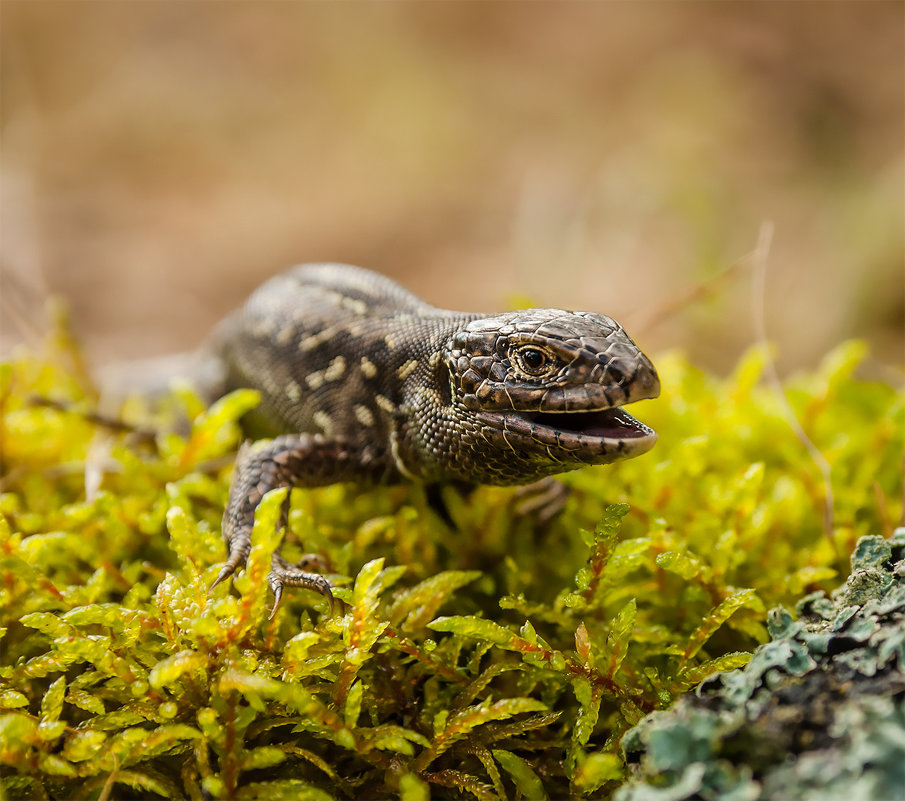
x=285 y=574
x=542 y=500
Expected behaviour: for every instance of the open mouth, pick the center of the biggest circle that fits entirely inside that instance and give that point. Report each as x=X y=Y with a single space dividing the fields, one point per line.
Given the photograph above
x=594 y=437
x=606 y=423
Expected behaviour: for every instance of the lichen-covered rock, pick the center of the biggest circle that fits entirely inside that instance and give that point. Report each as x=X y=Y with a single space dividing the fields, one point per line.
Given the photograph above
x=818 y=713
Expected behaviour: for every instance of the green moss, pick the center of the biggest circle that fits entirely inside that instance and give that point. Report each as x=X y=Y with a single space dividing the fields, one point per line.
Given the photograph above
x=499 y=658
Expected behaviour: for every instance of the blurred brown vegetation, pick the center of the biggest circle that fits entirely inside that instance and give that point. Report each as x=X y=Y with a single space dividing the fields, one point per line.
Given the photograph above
x=160 y=159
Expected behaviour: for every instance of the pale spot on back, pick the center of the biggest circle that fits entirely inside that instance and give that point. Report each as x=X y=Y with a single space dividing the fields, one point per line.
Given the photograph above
x=336 y=369
x=354 y=305
x=368 y=367
x=385 y=403
x=322 y=420
x=364 y=415
x=286 y=334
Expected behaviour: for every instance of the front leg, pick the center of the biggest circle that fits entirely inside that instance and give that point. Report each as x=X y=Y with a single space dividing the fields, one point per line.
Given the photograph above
x=292 y=460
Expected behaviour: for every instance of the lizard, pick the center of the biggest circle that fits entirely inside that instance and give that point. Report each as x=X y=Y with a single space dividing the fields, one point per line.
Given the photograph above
x=364 y=382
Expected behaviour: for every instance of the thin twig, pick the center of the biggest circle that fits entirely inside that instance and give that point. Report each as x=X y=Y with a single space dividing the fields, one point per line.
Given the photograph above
x=696 y=292
x=902 y=516
x=761 y=255
x=102 y=420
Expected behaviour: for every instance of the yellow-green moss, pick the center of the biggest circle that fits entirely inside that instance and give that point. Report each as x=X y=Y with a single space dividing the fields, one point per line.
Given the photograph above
x=501 y=658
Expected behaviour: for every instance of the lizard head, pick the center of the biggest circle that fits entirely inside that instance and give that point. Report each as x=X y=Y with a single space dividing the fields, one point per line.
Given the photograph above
x=545 y=388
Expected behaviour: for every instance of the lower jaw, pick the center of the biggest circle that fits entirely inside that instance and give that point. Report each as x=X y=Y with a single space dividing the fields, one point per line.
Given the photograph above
x=598 y=438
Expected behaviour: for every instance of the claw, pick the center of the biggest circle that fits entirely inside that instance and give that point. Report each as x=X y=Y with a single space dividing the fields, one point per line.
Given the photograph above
x=235 y=559
x=277 y=588
x=328 y=594
x=308 y=582
x=224 y=574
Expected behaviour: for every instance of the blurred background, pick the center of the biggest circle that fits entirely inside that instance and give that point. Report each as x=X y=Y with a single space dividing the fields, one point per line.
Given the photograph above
x=159 y=160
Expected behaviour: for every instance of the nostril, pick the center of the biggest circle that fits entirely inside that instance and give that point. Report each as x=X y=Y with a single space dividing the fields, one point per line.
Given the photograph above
x=615 y=373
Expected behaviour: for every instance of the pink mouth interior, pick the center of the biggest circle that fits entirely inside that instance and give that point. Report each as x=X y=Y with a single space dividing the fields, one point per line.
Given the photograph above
x=611 y=423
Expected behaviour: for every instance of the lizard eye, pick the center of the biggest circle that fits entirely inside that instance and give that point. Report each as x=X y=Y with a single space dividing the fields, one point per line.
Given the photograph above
x=532 y=361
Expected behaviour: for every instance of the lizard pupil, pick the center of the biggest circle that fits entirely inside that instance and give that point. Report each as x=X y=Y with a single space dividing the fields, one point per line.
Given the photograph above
x=533 y=359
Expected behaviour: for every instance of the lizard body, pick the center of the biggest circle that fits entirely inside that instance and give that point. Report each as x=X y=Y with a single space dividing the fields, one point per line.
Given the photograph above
x=373 y=385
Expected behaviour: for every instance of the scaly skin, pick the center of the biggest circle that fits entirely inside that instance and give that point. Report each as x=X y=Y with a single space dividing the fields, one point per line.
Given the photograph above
x=377 y=386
